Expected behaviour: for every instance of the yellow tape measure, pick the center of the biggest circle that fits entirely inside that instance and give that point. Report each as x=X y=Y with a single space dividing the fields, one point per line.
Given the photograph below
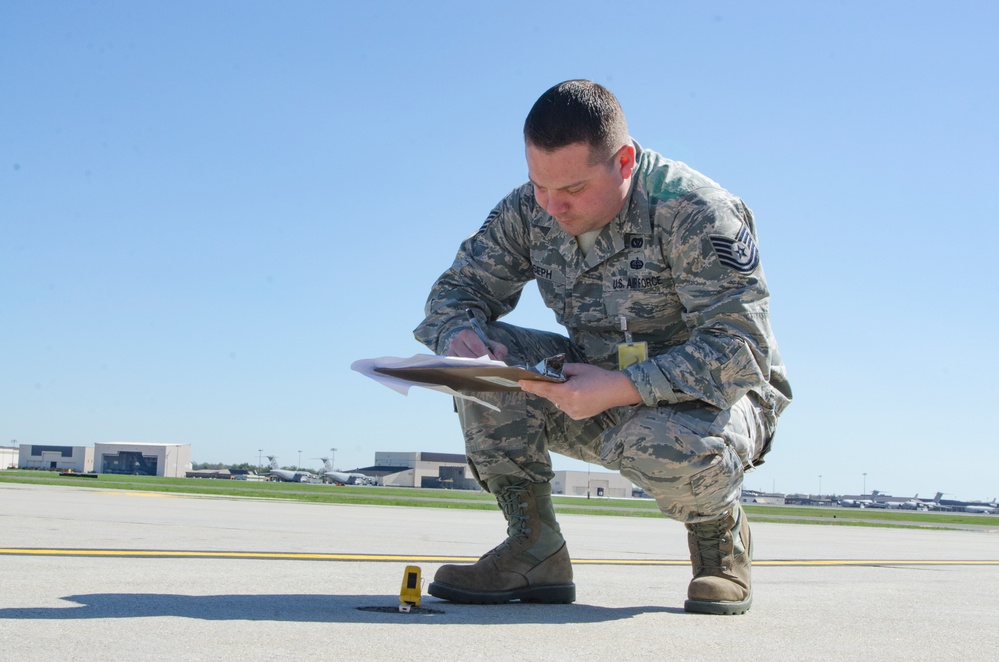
x=409 y=595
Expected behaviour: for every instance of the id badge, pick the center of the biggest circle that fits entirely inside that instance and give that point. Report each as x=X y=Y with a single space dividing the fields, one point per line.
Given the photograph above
x=629 y=353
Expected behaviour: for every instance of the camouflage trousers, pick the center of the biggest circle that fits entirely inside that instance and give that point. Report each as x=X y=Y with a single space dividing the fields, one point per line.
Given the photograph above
x=689 y=457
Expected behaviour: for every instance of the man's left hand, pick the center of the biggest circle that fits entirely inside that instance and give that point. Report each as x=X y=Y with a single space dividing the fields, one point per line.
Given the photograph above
x=587 y=391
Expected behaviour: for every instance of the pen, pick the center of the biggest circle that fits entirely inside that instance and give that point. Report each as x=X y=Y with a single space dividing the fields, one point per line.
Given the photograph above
x=474 y=322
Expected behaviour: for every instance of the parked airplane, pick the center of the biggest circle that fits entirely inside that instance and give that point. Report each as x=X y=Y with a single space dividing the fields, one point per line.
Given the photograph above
x=855 y=503
x=331 y=475
x=991 y=508
x=288 y=476
x=915 y=503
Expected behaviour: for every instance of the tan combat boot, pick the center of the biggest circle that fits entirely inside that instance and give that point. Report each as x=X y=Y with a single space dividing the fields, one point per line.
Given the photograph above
x=721 y=552
x=532 y=564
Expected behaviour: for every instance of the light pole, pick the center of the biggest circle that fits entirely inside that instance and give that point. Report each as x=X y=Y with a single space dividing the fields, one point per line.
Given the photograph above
x=820 y=485
x=299 y=459
x=260 y=458
x=865 y=484
x=333 y=458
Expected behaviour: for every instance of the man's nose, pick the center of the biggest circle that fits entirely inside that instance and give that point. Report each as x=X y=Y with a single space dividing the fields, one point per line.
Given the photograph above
x=557 y=203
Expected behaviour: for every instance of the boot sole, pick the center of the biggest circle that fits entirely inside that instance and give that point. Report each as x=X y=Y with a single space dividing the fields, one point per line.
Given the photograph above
x=550 y=594
x=718 y=608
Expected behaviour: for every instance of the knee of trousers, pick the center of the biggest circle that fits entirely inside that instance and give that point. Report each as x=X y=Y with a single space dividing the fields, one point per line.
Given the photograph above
x=513 y=440
x=529 y=346
x=692 y=477
x=702 y=489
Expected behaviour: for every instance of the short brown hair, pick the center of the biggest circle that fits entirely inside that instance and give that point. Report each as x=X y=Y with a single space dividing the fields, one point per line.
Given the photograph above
x=577 y=111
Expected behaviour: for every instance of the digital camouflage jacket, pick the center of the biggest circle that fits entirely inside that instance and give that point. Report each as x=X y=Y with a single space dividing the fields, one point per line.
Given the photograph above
x=680 y=262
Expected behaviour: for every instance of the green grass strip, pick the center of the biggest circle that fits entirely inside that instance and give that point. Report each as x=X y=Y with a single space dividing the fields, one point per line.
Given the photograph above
x=436 y=498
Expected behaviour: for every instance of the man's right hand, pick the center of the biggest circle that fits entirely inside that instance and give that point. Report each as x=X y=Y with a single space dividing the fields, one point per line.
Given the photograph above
x=588 y=390
x=468 y=345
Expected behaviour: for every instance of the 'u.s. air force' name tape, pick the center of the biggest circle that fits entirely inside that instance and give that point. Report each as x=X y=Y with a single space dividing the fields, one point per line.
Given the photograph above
x=740 y=253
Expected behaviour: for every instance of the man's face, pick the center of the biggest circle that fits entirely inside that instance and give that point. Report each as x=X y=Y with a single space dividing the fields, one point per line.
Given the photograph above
x=580 y=195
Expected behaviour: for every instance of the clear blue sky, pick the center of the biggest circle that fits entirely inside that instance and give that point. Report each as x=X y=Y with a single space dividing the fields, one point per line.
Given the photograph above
x=208 y=210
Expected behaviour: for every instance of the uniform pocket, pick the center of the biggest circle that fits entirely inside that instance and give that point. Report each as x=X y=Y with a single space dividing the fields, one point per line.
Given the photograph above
x=649 y=303
x=551 y=285
x=717 y=487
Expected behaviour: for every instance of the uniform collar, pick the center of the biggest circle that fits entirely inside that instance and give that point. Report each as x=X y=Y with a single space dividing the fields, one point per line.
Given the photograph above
x=634 y=217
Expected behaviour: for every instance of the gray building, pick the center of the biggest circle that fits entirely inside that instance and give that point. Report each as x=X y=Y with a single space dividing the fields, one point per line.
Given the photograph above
x=421 y=469
x=169 y=460
x=450 y=471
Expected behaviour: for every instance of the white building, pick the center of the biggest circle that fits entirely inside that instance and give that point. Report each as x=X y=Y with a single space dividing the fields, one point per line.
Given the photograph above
x=592 y=483
x=169 y=460
x=46 y=456
x=763 y=498
x=8 y=457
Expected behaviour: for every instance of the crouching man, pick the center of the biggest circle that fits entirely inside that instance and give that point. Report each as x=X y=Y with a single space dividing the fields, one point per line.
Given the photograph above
x=673 y=373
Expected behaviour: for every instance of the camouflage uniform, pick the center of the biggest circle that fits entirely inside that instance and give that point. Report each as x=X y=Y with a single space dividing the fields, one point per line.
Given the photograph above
x=680 y=263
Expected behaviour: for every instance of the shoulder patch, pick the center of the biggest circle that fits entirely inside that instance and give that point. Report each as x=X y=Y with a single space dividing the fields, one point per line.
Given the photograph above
x=740 y=253
x=489 y=219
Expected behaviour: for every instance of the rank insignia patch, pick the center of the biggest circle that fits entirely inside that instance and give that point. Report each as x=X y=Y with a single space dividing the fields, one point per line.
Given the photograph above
x=739 y=253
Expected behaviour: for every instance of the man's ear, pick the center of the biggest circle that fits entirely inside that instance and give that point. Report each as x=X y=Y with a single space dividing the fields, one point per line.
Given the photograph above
x=624 y=160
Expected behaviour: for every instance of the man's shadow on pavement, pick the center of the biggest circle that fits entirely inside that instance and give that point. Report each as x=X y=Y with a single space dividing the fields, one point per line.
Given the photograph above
x=306 y=608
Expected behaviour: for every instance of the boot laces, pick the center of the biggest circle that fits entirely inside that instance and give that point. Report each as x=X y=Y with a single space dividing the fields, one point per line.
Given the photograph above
x=513 y=506
x=710 y=538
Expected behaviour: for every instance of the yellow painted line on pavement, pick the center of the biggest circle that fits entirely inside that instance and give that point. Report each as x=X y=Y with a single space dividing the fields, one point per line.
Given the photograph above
x=161 y=553
x=301 y=556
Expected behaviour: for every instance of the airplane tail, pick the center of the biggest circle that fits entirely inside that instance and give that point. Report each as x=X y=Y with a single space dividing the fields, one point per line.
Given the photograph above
x=327 y=464
x=274 y=462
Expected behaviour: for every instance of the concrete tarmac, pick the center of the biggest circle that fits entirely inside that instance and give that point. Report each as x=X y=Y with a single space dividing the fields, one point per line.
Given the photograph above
x=94 y=574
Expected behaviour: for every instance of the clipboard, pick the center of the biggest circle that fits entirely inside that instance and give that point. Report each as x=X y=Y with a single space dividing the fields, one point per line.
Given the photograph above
x=457 y=377
x=470 y=378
